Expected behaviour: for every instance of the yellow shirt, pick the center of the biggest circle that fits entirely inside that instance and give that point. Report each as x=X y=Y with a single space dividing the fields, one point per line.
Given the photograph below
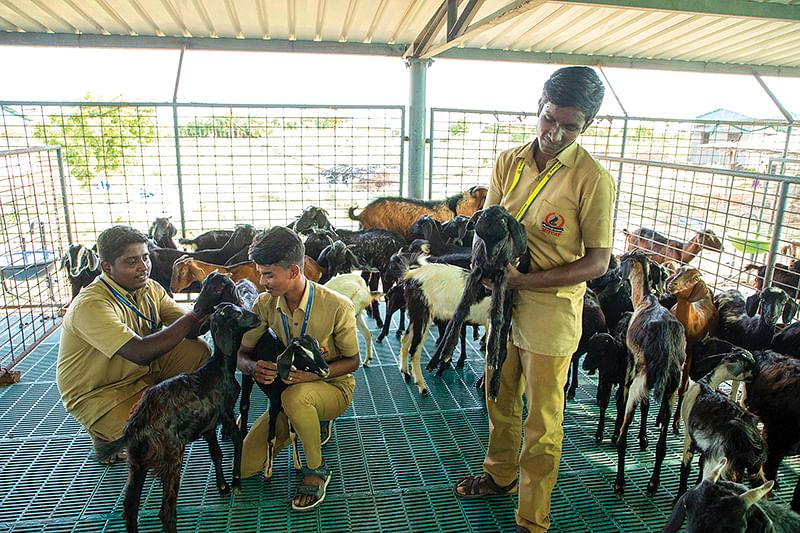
x=331 y=321
x=571 y=213
x=91 y=378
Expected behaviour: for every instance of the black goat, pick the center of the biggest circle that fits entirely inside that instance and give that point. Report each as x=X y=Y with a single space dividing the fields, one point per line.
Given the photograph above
x=337 y=258
x=312 y=217
x=458 y=231
x=162 y=231
x=737 y=323
x=303 y=353
x=614 y=294
x=717 y=427
x=787 y=341
x=180 y=410
x=593 y=321
x=772 y=395
x=501 y=241
x=657 y=342
x=784 y=277
x=431 y=230
x=209 y=240
x=82 y=266
x=716 y=505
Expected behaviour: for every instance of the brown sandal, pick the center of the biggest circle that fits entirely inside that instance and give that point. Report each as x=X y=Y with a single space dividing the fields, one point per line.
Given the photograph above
x=482 y=485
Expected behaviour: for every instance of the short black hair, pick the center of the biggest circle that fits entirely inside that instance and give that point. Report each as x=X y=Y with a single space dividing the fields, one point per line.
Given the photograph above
x=112 y=242
x=278 y=245
x=578 y=87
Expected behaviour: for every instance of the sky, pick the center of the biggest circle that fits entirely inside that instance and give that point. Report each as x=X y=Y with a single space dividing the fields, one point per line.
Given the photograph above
x=66 y=74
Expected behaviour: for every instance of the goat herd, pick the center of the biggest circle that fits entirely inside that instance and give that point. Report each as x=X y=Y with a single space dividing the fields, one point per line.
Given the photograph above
x=647 y=329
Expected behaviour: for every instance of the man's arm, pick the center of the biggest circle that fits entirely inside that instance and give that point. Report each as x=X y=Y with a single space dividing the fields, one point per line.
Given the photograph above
x=591 y=265
x=145 y=350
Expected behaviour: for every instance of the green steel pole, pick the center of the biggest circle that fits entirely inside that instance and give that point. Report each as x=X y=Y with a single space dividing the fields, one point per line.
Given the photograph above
x=416 y=127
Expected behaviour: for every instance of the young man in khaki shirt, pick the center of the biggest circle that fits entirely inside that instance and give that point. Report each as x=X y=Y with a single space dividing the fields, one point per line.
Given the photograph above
x=569 y=228
x=121 y=335
x=292 y=306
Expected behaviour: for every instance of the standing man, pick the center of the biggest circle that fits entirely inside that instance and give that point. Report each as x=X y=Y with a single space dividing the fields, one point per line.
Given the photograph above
x=564 y=199
x=121 y=335
x=291 y=306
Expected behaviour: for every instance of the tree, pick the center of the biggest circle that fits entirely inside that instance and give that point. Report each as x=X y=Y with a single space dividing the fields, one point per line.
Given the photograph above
x=96 y=139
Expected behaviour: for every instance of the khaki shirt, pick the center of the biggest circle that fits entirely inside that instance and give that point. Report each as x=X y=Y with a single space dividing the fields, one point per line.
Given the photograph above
x=331 y=321
x=91 y=378
x=573 y=212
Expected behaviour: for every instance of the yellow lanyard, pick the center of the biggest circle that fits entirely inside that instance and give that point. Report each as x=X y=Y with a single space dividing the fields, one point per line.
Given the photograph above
x=524 y=209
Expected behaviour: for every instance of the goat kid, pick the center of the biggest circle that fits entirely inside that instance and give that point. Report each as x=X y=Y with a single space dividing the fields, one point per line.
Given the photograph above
x=657 y=342
x=500 y=240
x=667 y=249
x=737 y=323
x=82 y=266
x=717 y=427
x=180 y=410
x=716 y=505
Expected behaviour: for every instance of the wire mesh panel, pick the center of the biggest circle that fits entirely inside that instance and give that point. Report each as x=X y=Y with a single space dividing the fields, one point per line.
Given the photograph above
x=679 y=178
x=34 y=238
x=214 y=165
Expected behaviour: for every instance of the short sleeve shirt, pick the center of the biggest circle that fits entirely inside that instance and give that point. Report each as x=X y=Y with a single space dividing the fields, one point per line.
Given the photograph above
x=92 y=379
x=331 y=320
x=571 y=213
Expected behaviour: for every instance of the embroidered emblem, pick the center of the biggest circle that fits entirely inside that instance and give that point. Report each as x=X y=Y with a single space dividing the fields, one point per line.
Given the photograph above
x=553 y=224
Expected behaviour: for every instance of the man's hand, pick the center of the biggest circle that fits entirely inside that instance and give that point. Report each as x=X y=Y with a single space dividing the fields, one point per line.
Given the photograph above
x=299 y=376
x=265 y=372
x=514 y=277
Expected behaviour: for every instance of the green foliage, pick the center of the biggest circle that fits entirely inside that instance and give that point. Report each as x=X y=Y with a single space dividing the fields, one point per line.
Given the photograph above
x=97 y=139
x=641 y=133
x=458 y=129
x=323 y=123
x=226 y=128
x=516 y=132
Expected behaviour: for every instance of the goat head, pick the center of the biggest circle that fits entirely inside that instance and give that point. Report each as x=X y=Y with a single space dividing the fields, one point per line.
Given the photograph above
x=216 y=288
x=503 y=239
x=303 y=353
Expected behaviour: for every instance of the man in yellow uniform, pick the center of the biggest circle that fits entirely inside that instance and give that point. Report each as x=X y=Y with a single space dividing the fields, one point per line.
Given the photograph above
x=293 y=306
x=121 y=335
x=564 y=199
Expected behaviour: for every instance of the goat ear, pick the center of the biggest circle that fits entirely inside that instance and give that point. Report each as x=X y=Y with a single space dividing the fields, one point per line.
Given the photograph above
x=94 y=261
x=754 y=495
x=675 y=521
x=64 y=260
x=751 y=304
x=716 y=472
x=518 y=236
x=789 y=310
x=699 y=291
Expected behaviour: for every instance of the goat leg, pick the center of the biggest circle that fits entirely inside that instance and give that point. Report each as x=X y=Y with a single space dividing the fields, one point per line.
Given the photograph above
x=244 y=403
x=214 y=450
x=274 y=411
x=603 y=396
x=133 y=494
x=237 y=438
x=572 y=375
x=644 y=407
x=661 y=445
x=463 y=358
x=171 y=480
x=476 y=332
x=686 y=465
x=500 y=338
x=444 y=351
x=676 y=417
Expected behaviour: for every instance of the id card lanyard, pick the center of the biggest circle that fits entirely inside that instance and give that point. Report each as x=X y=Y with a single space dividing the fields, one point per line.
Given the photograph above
x=151 y=321
x=305 y=318
x=524 y=209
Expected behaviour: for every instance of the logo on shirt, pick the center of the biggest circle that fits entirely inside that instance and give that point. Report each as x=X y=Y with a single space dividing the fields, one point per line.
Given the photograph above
x=553 y=224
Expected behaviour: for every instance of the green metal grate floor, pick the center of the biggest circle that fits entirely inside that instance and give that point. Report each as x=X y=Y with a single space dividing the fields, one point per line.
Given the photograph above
x=394 y=455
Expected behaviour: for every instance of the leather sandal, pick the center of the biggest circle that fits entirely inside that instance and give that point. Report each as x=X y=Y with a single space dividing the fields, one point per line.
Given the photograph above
x=482 y=485
x=325 y=431
x=317 y=491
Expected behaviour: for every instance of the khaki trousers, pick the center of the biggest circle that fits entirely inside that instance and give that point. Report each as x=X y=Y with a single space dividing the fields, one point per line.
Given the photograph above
x=542 y=379
x=305 y=404
x=187 y=356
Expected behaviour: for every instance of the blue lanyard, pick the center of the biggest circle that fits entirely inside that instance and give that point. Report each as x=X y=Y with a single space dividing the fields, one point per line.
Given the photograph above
x=129 y=305
x=305 y=319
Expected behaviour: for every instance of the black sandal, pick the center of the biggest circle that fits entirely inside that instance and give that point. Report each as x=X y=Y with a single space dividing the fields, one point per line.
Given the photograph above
x=472 y=487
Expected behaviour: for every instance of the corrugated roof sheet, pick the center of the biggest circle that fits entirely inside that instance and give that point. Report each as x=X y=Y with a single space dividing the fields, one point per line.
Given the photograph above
x=712 y=35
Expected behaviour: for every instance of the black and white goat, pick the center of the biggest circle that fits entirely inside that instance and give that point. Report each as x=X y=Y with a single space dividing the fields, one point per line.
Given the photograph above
x=737 y=323
x=433 y=291
x=500 y=241
x=82 y=266
x=718 y=505
x=657 y=342
x=162 y=231
x=717 y=427
x=180 y=410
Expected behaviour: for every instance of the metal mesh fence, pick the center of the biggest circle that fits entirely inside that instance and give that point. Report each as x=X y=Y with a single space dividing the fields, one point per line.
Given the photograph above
x=211 y=166
x=34 y=237
x=676 y=177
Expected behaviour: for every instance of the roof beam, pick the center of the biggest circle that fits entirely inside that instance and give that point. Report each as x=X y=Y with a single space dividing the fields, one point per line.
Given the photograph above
x=431 y=28
x=728 y=8
x=504 y=14
x=620 y=62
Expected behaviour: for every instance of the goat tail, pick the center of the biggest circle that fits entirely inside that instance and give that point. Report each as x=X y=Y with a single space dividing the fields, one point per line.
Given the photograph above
x=746 y=444
x=351 y=212
x=111 y=449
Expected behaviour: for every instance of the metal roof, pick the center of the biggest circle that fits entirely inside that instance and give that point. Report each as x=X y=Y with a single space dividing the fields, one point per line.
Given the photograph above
x=732 y=36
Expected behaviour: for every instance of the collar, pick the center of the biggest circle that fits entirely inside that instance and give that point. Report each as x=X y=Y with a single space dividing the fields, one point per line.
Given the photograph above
x=122 y=290
x=567 y=156
x=284 y=306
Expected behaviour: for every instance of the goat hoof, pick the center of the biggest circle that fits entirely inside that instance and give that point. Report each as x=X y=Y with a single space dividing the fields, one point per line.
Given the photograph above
x=407 y=378
x=224 y=489
x=398 y=333
x=460 y=364
x=614 y=438
x=379 y=324
x=675 y=428
x=571 y=395
x=423 y=392
x=643 y=444
x=598 y=438
x=381 y=337
x=619 y=489
x=366 y=364
x=652 y=487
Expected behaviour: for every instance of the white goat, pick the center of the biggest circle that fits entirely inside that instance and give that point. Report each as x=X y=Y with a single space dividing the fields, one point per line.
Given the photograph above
x=355 y=288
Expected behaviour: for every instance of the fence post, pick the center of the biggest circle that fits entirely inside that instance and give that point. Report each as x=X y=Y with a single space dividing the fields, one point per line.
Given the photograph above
x=63 y=180
x=783 y=194
x=416 y=127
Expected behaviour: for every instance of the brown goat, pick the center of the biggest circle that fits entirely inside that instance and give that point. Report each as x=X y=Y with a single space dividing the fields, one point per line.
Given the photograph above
x=667 y=249
x=398 y=214
x=187 y=270
x=694 y=309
